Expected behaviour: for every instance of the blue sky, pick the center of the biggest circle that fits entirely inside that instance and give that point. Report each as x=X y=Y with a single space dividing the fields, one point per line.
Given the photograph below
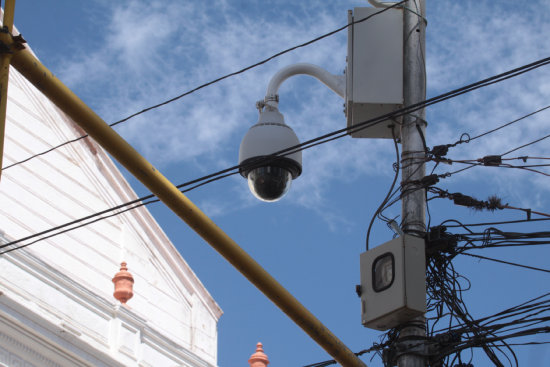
x=123 y=56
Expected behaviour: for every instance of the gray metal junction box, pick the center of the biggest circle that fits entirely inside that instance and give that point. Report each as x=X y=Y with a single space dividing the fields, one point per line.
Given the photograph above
x=393 y=283
x=374 y=71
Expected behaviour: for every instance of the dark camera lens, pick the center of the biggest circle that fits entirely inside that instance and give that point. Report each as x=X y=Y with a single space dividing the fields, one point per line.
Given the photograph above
x=269 y=183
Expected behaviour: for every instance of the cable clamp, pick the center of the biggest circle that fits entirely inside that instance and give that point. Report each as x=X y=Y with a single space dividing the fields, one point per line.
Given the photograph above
x=12 y=43
x=439 y=151
x=491 y=160
x=272 y=98
x=424 y=182
x=429 y=180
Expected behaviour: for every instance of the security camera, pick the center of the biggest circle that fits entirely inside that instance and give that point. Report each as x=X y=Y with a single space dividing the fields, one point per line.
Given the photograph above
x=269 y=176
x=270 y=171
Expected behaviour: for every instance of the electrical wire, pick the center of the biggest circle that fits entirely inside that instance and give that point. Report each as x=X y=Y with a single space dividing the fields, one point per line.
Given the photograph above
x=331 y=136
x=493 y=203
x=329 y=362
x=508 y=124
x=445 y=287
x=388 y=195
x=471 y=164
x=506 y=262
x=438 y=99
x=492 y=223
x=528 y=168
x=241 y=71
x=445 y=292
x=481 y=161
x=469 y=139
x=526 y=145
x=145 y=200
x=401 y=112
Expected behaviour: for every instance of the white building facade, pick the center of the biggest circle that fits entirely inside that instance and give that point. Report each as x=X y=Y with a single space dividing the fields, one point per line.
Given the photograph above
x=56 y=295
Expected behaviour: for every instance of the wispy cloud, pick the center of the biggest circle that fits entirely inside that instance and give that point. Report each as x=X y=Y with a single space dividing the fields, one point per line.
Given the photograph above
x=475 y=40
x=153 y=52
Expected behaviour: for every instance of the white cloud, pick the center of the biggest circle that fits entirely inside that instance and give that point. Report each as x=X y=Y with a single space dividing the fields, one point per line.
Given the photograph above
x=474 y=40
x=154 y=52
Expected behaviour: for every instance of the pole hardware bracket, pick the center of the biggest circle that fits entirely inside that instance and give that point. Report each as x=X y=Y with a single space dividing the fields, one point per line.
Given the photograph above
x=5 y=49
x=9 y=42
x=438 y=240
x=415 y=345
x=434 y=349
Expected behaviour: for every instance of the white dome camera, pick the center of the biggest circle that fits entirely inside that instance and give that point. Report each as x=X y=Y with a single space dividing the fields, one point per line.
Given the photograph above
x=269 y=176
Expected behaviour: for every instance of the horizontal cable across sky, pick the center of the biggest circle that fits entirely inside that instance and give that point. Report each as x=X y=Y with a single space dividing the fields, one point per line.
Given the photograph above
x=215 y=81
x=337 y=134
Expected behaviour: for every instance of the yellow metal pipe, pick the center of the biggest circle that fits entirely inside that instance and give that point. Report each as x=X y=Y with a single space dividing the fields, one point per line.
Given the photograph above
x=5 y=60
x=67 y=101
x=9 y=11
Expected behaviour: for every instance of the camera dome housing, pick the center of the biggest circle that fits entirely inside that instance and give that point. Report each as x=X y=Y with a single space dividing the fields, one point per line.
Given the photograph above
x=269 y=176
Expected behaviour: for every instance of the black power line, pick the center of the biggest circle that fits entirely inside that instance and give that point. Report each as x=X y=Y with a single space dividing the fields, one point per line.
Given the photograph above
x=337 y=134
x=506 y=262
x=264 y=61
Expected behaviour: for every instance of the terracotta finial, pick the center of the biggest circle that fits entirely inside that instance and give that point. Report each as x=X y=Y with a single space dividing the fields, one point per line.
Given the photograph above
x=124 y=284
x=258 y=359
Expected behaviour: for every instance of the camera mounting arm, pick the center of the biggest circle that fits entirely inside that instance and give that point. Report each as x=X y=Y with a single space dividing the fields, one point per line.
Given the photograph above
x=337 y=83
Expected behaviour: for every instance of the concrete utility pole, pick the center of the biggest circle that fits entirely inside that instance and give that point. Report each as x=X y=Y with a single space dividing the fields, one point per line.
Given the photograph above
x=412 y=155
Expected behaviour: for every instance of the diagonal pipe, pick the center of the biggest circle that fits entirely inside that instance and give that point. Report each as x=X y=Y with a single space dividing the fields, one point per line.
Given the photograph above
x=125 y=154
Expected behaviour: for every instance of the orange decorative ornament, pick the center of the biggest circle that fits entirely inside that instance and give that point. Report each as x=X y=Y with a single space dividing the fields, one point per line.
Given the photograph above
x=258 y=359
x=124 y=284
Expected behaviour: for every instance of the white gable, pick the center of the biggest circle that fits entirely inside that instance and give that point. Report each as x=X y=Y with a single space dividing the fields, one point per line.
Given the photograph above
x=59 y=290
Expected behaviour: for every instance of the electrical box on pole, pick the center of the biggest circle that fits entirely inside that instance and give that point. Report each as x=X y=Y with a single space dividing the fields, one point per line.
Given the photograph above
x=374 y=71
x=393 y=283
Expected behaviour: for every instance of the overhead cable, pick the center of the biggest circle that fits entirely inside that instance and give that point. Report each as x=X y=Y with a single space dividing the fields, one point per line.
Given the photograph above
x=506 y=262
x=264 y=61
x=324 y=138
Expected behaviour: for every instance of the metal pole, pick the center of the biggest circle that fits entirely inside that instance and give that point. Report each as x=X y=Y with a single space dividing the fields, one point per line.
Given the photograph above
x=125 y=154
x=412 y=156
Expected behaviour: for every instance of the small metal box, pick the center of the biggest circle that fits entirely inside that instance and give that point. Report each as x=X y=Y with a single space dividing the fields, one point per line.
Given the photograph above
x=393 y=283
x=374 y=72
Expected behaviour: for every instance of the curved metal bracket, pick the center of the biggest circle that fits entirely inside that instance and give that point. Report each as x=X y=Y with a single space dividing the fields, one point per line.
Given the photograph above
x=337 y=83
